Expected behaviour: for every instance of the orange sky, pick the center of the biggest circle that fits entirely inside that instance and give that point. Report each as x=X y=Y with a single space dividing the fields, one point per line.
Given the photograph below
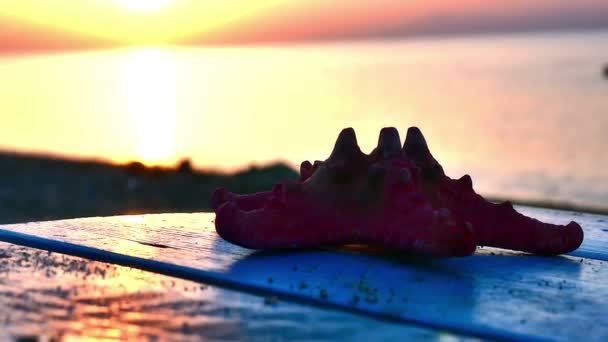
x=39 y=24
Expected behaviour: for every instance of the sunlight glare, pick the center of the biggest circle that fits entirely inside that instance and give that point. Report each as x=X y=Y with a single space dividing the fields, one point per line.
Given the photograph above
x=151 y=97
x=144 y=5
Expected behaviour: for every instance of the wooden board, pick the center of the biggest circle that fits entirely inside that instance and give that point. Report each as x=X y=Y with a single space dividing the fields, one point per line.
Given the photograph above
x=494 y=294
x=50 y=296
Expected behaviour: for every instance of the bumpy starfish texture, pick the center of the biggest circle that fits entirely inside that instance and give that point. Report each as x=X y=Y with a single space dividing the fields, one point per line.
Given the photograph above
x=351 y=198
x=398 y=198
x=496 y=225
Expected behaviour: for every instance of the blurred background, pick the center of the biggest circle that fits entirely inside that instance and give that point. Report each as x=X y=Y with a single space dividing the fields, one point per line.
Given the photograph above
x=131 y=106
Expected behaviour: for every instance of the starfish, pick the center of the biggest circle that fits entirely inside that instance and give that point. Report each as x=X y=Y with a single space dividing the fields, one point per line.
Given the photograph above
x=496 y=225
x=395 y=197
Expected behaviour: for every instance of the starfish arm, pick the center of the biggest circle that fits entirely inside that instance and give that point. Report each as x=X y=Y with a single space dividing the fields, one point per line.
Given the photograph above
x=500 y=225
x=274 y=226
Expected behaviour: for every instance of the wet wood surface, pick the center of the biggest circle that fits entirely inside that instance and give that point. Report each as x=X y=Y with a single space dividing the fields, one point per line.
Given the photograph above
x=493 y=294
x=54 y=297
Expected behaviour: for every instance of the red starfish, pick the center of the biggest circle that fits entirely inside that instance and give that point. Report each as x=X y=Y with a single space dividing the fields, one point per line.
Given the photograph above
x=496 y=225
x=398 y=198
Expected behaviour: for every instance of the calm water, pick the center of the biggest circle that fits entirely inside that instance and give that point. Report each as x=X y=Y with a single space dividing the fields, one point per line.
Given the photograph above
x=526 y=116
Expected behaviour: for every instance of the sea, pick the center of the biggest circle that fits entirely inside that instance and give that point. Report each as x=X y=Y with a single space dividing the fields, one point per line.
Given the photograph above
x=526 y=115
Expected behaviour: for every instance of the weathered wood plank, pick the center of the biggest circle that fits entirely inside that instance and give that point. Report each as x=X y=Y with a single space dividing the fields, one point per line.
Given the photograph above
x=496 y=293
x=50 y=296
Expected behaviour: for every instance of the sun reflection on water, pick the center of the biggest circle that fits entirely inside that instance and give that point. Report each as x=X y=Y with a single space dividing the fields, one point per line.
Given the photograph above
x=151 y=102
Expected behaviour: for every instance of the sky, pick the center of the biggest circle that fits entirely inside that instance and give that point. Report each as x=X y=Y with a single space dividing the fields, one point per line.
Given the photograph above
x=43 y=24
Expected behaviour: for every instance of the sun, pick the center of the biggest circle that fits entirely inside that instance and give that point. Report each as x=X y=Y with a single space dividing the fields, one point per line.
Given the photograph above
x=144 y=5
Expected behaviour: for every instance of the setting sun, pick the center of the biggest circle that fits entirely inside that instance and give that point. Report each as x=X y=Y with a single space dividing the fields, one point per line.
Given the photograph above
x=137 y=22
x=144 y=5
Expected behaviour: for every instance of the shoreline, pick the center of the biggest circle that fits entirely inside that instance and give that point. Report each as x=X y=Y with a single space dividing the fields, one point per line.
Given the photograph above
x=36 y=187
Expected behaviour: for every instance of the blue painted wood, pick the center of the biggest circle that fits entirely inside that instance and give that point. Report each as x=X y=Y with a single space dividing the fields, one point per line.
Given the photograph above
x=239 y=283
x=494 y=294
x=57 y=297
